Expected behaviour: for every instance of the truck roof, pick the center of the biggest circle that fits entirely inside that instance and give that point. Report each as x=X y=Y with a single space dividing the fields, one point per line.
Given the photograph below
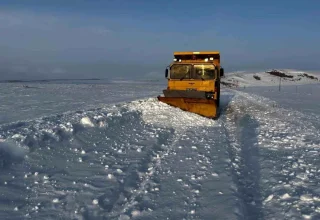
x=195 y=52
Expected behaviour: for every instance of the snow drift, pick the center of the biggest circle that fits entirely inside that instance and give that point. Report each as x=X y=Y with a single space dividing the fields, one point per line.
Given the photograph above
x=270 y=78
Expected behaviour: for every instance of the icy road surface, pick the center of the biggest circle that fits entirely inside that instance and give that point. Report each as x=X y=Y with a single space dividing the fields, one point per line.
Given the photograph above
x=145 y=160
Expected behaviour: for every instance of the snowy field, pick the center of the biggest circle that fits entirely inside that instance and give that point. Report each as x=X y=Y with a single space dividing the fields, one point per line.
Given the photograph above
x=34 y=100
x=111 y=151
x=271 y=78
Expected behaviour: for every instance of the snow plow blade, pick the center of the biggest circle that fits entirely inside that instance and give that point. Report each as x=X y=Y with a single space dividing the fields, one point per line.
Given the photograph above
x=204 y=107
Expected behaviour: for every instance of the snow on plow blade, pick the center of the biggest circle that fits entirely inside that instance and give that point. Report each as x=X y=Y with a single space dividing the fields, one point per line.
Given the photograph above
x=204 y=107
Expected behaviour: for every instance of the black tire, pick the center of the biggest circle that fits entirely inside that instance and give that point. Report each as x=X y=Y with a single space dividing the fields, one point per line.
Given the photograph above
x=218 y=95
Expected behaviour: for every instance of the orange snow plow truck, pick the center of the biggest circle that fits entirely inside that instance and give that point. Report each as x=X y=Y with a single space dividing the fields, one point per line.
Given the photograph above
x=194 y=83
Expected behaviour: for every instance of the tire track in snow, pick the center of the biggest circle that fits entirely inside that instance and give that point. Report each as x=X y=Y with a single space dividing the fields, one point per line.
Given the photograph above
x=244 y=154
x=160 y=150
x=203 y=175
x=140 y=201
x=287 y=143
x=188 y=177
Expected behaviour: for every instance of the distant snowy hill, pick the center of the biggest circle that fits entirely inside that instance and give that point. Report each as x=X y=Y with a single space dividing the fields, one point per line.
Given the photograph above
x=270 y=78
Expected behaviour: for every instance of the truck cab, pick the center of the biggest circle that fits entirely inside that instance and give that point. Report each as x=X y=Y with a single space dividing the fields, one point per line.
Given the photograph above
x=194 y=77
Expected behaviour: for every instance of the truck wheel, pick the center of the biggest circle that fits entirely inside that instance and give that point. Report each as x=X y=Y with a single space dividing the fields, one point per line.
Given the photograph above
x=218 y=97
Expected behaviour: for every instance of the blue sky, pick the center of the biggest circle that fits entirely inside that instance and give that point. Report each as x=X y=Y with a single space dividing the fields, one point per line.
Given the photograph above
x=56 y=36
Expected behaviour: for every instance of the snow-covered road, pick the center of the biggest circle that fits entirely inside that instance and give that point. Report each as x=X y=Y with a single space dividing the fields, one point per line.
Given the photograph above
x=146 y=160
x=275 y=155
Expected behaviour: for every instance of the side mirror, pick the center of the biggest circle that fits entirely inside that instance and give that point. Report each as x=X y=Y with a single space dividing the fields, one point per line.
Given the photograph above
x=167 y=73
x=221 y=72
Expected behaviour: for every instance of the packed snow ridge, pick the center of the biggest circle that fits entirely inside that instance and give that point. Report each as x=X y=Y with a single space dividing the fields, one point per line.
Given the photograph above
x=270 y=78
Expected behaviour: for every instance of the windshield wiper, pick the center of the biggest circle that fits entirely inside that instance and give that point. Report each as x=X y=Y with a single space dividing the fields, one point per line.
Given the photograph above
x=183 y=77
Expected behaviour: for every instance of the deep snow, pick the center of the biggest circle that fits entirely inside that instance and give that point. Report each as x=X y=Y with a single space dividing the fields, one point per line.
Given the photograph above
x=111 y=151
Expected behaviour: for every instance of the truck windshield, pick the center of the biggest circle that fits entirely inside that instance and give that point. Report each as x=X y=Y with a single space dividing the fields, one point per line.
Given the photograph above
x=180 y=71
x=204 y=71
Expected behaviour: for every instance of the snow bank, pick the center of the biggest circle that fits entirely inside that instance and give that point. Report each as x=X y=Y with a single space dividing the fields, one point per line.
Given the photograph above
x=161 y=114
x=270 y=78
